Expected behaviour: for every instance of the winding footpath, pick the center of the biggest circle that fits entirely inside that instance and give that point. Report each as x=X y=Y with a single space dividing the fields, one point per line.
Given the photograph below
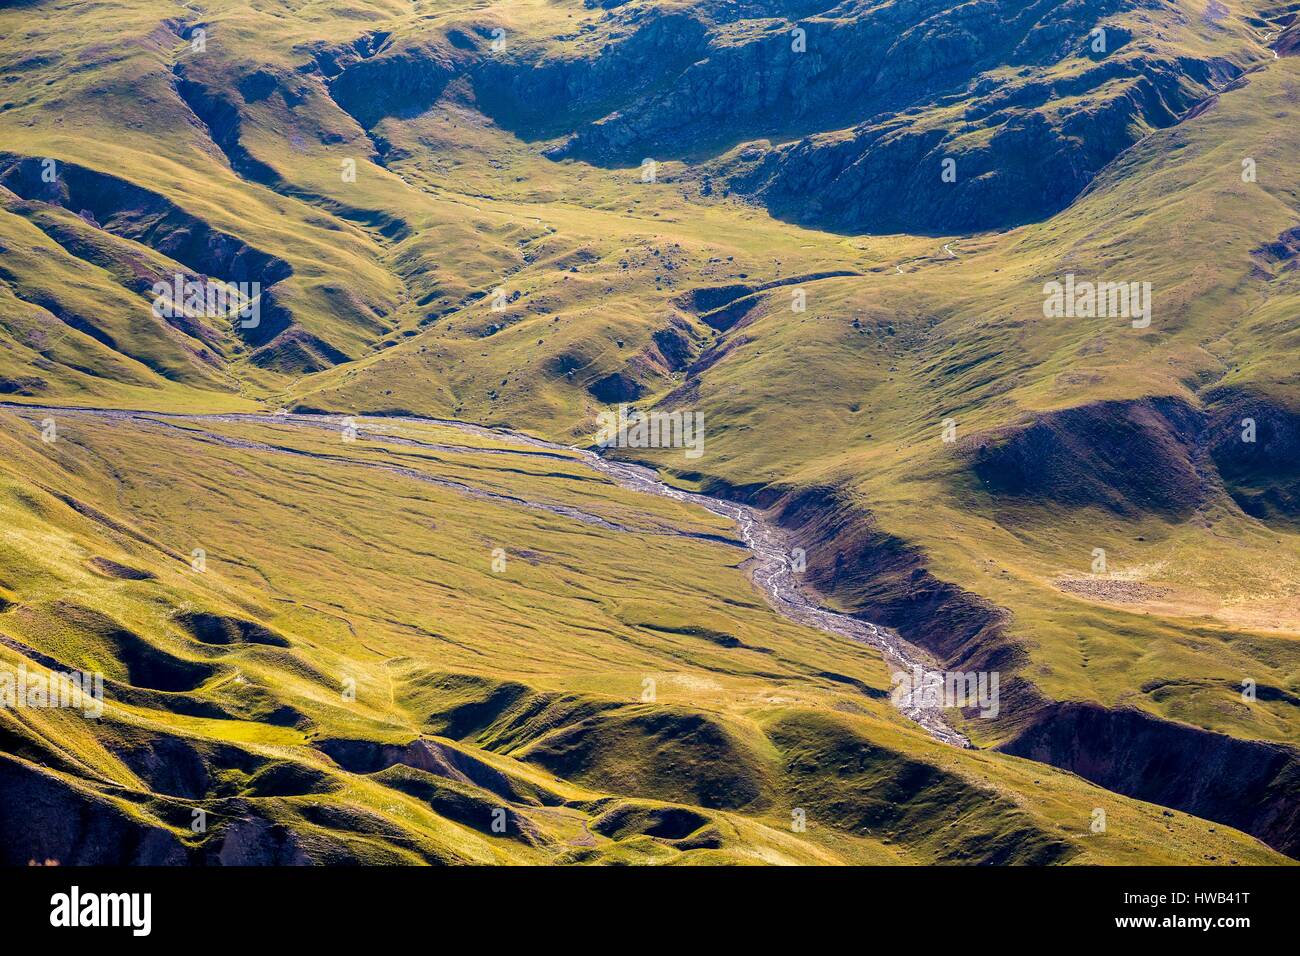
x=772 y=569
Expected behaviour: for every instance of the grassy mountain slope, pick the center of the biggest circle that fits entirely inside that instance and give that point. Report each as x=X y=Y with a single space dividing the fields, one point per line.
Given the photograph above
x=499 y=257
x=348 y=678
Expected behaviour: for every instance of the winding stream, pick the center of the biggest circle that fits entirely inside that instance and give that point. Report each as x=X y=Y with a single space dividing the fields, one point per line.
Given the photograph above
x=774 y=575
x=772 y=568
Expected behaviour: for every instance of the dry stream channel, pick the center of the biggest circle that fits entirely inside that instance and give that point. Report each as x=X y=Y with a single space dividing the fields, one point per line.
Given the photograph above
x=772 y=567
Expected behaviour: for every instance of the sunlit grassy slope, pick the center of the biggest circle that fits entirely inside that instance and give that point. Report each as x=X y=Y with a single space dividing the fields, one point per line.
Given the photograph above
x=350 y=678
x=853 y=392
x=1214 y=595
x=606 y=287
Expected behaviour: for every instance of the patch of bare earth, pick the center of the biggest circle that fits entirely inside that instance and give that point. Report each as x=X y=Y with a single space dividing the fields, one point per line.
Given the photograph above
x=1261 y=613
x=1113 y=590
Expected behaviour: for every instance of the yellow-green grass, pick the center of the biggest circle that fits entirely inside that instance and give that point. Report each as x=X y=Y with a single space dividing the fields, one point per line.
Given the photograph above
x=386 y=581
x=811 y=401
x=799 y=400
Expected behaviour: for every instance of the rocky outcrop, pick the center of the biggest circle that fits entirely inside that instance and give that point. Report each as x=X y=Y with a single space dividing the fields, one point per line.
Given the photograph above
x=1012 y=157
x=539 y=95
x=850 y=94
x=843 y=115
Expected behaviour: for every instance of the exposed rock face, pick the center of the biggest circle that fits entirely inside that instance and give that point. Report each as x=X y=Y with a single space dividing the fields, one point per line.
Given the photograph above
x=549 y=96
x=860 y=98
x=891 y=177
x=839 y=117
x=253 y=841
